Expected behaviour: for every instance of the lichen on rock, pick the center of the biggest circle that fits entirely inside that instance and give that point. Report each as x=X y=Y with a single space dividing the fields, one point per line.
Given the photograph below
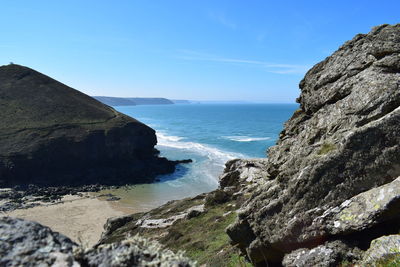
x=344 y=140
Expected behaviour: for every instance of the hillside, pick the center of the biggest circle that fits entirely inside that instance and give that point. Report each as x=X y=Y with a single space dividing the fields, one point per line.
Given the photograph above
x=52 y=134
x=132 y=101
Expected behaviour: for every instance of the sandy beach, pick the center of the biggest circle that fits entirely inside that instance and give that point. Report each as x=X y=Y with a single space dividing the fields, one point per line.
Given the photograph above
x=81 y=218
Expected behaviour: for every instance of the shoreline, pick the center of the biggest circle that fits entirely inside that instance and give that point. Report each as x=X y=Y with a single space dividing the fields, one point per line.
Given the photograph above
x=81 y=218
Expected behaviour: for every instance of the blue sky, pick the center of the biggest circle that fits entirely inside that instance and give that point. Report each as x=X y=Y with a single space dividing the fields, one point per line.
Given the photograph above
x=201 y=50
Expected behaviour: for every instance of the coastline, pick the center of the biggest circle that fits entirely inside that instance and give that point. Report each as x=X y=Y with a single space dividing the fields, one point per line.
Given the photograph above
x=81 y=218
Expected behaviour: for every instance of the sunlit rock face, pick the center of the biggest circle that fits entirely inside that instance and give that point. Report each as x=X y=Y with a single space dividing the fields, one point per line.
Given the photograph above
x=344 y=140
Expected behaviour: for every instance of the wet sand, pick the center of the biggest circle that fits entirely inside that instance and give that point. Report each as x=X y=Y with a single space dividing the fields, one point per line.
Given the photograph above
x=80 y=218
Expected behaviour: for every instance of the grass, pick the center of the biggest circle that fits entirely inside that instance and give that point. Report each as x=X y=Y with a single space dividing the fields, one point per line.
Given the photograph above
x=204 y=238
x=390 y=261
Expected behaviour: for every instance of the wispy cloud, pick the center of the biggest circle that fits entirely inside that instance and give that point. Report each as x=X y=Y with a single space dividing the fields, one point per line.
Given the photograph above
x=267 y=66
x=223 y=20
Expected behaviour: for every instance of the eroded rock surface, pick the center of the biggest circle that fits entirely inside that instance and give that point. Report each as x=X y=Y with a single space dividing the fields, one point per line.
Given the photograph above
x=381 y=249
x=26 y=243
x=344 y=140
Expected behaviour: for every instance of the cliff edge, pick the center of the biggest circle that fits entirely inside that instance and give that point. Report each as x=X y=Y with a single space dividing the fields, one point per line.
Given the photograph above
x=51 y=134
x=331 y=182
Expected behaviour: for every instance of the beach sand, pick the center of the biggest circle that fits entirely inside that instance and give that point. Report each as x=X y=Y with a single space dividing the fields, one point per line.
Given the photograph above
x=81 y=218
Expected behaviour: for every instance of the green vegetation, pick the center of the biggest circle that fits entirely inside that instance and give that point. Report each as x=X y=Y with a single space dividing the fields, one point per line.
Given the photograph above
x=390 y=261
x=202 y=237
x=326 y=148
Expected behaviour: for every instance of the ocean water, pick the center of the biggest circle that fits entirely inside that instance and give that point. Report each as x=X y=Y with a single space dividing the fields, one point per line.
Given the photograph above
x=209 y=134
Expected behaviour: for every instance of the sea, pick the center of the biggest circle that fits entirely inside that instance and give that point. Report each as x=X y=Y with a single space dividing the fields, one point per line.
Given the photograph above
x=210 y=135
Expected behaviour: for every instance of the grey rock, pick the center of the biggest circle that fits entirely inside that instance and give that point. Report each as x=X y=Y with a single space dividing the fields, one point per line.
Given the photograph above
x=114 y=223
x=362 y=211
x=133 y=251
x=243 y=171
x=328 y=255
x=26 y=243
x=380 y=249
x=344 y=140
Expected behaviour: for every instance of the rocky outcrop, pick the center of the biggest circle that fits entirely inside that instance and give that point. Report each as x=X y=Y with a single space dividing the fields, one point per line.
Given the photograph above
x=51 y=134
x=383 y=249
x=134 y=251
x=343 y=141
x=26 y=243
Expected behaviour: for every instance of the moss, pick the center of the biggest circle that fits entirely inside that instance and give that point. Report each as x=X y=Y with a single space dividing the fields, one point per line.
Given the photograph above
x=390 y=261
x=326 y=148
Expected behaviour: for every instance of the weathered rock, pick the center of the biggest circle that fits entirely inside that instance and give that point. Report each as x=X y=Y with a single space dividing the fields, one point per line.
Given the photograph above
x=344 y=140
x=381 y=248
x=134 y=251
x=239 y=171
x=26 y=243
x=361 y=212
x=51 y=134
x=328 y=255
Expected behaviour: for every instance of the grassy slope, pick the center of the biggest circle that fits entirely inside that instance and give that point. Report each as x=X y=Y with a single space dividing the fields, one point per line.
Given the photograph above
x=203 y=238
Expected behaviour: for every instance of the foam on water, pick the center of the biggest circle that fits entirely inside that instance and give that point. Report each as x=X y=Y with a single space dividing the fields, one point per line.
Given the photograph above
x=210 y=135
x=243 y=138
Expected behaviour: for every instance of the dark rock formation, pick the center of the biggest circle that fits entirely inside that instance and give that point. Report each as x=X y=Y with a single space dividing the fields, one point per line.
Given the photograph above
x=26 y=243
x=51 y=134
x=343 y=141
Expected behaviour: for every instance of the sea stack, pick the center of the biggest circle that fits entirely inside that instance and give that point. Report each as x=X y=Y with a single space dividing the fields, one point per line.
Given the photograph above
x=51 y=134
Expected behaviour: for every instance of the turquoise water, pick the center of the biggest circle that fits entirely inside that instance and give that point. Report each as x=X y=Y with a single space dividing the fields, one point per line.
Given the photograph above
x=209 y=134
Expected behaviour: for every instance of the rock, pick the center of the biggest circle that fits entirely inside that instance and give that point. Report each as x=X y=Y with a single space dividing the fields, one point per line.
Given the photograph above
x=114 y=223
x=53 y=135
x=26 y=243
x=381 y=248
x=239 y=171
x=362 y=211
x=134 y=251
x=194 y=211
x=344 y=140
x=330 y=254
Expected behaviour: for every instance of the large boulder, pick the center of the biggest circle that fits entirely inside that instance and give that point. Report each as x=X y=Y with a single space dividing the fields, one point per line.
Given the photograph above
x=26 y=243
x=51 y=134
x=344 y=140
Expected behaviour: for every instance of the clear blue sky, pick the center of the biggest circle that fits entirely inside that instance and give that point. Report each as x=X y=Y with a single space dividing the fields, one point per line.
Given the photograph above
x=200 y=50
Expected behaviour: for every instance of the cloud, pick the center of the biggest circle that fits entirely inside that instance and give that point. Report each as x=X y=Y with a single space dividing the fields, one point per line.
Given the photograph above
x=221 y=19
x=267 y=66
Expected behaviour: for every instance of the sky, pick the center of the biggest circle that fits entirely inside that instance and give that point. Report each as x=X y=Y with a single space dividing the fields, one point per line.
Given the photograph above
x=220 y=50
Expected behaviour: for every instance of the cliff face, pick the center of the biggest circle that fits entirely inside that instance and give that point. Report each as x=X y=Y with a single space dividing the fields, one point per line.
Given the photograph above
x=51 y=134
x=332 y=175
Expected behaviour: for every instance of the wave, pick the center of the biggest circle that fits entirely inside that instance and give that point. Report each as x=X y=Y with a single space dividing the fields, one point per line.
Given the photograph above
x=210 y=152
x=243 y=138
x=167 y=138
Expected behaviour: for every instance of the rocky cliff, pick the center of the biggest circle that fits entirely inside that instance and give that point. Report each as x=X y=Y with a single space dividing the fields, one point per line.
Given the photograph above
x=331 y=182
x=51 y=134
